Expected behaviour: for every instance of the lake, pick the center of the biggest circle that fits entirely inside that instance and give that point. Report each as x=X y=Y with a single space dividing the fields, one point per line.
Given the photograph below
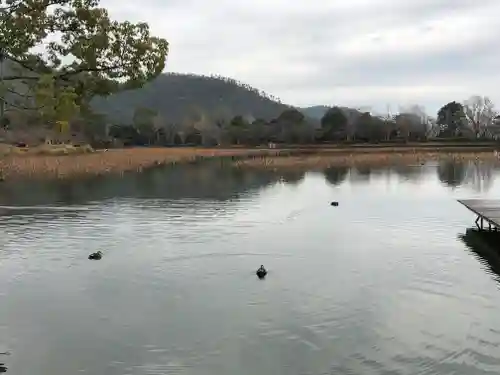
x=385 y=283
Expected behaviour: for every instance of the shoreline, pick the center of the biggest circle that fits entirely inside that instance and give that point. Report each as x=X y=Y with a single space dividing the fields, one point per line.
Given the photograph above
x=321 y=162
x=120 y=161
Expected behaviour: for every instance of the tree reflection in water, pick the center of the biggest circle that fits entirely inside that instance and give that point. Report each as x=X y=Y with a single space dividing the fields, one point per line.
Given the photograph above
x=480 y=176
x=412 y=173
x=362 y=173
x=451 y=173
x=292 y=177
x=211 y=181
x=335 y=175
x=207 y=181
x=477 y=175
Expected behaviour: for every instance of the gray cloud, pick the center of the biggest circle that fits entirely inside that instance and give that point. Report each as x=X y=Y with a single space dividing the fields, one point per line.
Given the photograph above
x=355 y=52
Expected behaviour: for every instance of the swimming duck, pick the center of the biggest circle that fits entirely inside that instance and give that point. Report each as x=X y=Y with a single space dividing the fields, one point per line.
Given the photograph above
x=95 y=256
x=261 y=272
x=334 y=204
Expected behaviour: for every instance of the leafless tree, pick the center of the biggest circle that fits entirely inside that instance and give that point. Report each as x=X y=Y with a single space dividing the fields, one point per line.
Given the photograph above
x=168 y=129
x=353 y=117
x=434 y=129
x=480 y=113
x=389 y=118
x=158 y=124
x=210 y=132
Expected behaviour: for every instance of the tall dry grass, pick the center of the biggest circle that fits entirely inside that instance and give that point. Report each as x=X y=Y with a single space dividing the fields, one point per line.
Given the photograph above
x=325 y=160
x=69 y=161
x=44 y=149
x=55 y=163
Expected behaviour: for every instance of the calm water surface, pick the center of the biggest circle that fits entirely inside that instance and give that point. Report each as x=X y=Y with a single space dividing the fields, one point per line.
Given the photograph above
x=384 y=283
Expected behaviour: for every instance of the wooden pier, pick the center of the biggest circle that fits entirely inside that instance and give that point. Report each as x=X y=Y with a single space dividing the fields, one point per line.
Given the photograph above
x=487 y=211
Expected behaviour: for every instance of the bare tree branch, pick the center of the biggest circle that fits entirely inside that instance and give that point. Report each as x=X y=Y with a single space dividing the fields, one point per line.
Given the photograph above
x=480 y=113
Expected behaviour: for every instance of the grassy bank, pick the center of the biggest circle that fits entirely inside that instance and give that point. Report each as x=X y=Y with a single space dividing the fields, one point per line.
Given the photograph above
x=44 y=149
x=54 y=163
x=68 y=165
x=322 y=161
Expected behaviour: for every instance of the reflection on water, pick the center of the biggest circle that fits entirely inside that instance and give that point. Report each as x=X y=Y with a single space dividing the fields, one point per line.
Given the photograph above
x=384 y=283
x=336 y=175
x=486 y=248
x=292 y=177
x=452 y=173
x=474 y=174
x=206 y=181
x=209 y=181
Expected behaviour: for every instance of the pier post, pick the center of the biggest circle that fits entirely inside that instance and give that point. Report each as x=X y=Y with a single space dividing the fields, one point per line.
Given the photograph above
x=480 y=225
x=485 y=210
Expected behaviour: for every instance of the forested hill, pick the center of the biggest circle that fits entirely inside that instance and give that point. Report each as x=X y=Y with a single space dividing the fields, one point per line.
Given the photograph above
x=177 y=96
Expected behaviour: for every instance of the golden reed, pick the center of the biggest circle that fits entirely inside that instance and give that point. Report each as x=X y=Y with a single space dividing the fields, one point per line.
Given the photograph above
x=322 y=161
x=52 y=164
x=65 y=163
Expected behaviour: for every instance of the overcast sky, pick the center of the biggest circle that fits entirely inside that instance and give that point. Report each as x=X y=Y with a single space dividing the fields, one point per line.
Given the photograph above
x=334 y=52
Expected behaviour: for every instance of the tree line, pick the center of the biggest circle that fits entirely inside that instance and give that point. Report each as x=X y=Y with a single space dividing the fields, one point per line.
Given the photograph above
x=475 y=118
x=83 y=54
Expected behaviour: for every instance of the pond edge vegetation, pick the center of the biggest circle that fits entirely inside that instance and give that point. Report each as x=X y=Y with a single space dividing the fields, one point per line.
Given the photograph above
x=87 y=163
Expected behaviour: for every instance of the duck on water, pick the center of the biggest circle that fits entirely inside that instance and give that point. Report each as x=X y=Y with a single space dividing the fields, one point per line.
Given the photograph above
x=261 y=272
x=96 y=256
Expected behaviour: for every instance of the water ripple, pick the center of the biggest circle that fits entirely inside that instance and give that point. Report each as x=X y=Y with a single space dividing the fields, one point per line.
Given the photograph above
x=372 y=287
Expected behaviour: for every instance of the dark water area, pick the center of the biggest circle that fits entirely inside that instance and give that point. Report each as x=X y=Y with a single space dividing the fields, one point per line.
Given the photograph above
x=392 y=281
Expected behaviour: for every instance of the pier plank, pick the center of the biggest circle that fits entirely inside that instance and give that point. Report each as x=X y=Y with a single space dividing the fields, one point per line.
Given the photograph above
x=487 y=209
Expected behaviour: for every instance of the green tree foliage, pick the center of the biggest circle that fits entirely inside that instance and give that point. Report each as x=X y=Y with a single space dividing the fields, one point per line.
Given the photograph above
x=55 y=103
x=260 y=131
x=334 y=124
x=239 y=122
x=143 y=117
x=451 y=116
x=291 y=116
x=291 y=126
x=368 y=127
x=84 y=51
x=94 y=126
x=238 y=130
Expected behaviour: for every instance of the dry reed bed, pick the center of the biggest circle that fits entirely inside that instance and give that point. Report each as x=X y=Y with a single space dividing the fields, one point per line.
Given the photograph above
x=326 y=160
x=44 y=149
x=119 y=161
x=110 y=161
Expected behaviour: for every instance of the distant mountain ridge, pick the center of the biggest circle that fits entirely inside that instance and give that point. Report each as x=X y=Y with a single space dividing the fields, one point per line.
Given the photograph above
x=178 y=96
